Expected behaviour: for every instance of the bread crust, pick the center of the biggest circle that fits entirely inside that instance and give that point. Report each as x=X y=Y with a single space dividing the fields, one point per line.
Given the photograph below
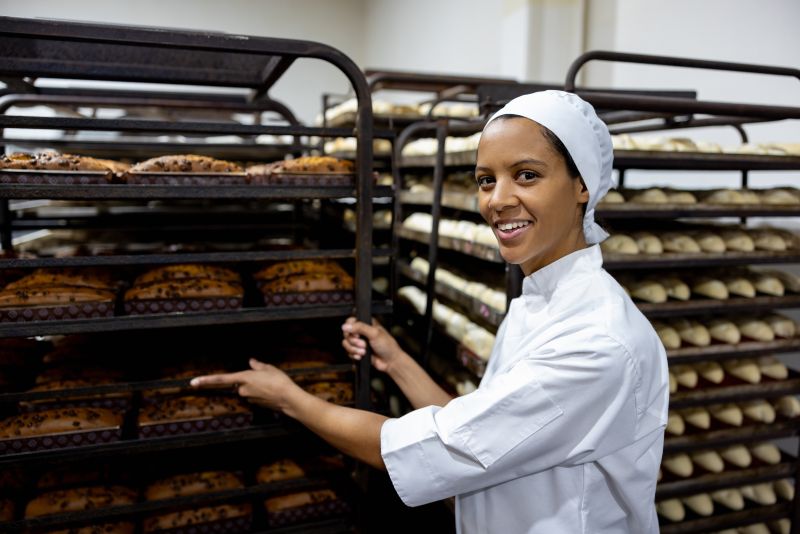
x=96 y=278
x=76 y=499
x=296 y=267
x=50 y=161
x=192 y=484
x=185 y=289
x=185 y=163
x=186 y=271
x=285 y=469
x=58 y=420
x=294 y=500
x=55 y=295
x=336 y=392
x=206 y=514
x=305 y=165
x=191 y=407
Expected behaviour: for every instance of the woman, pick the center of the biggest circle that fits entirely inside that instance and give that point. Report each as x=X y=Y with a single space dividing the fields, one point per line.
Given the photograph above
x=565 y=432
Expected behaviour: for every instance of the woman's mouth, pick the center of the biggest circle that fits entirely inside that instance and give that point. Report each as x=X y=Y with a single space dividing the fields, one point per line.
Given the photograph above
x=511 y=229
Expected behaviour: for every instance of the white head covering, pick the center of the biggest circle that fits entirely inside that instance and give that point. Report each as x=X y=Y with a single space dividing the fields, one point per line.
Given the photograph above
x=586 y=137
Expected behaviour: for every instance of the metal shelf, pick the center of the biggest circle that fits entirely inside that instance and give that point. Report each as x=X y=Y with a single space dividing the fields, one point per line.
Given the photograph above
x=731 y=435
x=726 y=479
x=749 y=516
x=198 y=319
x=477 y=250
x=704 y=306
x=613 y=261
x=222 y=192
x=725 y=351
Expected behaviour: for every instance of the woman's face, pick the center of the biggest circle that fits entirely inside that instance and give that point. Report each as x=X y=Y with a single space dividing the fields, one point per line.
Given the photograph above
x=527 y=196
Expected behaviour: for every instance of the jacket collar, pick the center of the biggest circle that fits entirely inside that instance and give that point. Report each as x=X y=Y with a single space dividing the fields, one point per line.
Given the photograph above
x=544 y=282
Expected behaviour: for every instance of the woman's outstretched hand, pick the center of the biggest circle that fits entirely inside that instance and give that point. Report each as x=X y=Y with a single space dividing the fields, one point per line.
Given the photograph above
x=262 y=384
x=385 y=350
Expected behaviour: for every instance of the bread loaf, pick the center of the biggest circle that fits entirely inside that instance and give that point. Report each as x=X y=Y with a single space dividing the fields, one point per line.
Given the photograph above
x=649 y=196
x=737 y=455
x=745 y=369
x=738 y=240
x=766 y=239
x=709 y=242
x=767 y=452
x=729 y=497
x=697 y=417
x=191 y=407
x=648 y=291
x=286 y=269
x=784 y=488
x=612 y=197
x=336 y=392
x=708 y=460
x=305 y=165
x=185 y=289
x=309 y=283
x=102 y=528
x=620 y=244
x=195 y=516
x=758 y=410
x=185 y=163
x=295 y=500
x=710 y=287
x=762 y=493
x=52 y=161
x=730 y=414
x=678 y=242
x=724 y=331
x=668 y=335
x=192 y=484
x=678 y=464
x=681 y=197
x=58 y=420
x=692 y=332
x=675 y=287
x=772 y=367
x=671 y=509
x=685 y=375
x=95 y=278
x=700 y=504
x=285 y=469
x=711 y=371
x=675 y=424
x=186 y=271
x=76 y=499
x=788 y=406
x=57 y=295
x=755 y=329
x=739 y=285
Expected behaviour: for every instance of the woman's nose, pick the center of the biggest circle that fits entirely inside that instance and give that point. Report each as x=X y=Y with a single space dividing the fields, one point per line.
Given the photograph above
x=503 y=195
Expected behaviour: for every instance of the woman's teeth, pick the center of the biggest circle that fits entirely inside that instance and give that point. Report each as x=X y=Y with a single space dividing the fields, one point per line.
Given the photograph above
x=506 y=227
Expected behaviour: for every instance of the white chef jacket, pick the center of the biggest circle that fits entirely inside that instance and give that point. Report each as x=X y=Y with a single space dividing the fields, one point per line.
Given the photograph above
x=565 y=432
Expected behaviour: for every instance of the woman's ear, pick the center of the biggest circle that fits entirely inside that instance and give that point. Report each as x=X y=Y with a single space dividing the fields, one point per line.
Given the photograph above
x=581 y=191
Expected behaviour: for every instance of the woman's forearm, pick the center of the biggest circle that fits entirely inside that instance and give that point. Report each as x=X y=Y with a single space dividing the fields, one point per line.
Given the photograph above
x=416 y=384
x=356 y=433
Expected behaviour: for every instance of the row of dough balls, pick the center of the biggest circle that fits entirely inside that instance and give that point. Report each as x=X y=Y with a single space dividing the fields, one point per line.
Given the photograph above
x=738 y=456
x=458 y=326
x=463 y=230
x=714 y=241
x=674 y=333
x=779 y=526
x=731 y=414
x=427 y=146
x=685 y=144
x=718 y=285
x=657 y=195
x=491 y=297
x=384 y=107
x=349 y=144
x=702 y=504
x=750 y=370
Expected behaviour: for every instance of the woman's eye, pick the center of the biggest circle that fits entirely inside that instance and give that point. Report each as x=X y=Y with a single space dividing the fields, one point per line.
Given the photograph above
x=484 y=181
x=527 y=176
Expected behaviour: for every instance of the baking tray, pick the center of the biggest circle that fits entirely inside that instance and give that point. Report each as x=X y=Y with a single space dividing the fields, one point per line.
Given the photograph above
x=78 y=310
x=61 y=440
x=184 y=178
x=158 y=429
x=308 y=298
x=230 y=525
x=47 y=177
x=304 y=179
x=148 y=306
x=308 y=513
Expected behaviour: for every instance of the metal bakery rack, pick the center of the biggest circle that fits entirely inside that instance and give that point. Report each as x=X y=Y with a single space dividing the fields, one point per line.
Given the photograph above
x=624 y=111
x=41 y=49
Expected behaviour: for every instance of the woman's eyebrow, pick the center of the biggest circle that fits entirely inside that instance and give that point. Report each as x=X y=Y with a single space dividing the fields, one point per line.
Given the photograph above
x=528 y=161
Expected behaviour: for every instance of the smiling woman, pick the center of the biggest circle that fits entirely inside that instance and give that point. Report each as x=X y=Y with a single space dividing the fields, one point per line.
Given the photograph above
x=565 y=431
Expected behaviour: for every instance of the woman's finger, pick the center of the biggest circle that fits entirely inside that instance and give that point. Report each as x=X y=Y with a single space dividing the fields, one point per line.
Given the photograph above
x=257 y=365
x=226 y=379
x=350 y=350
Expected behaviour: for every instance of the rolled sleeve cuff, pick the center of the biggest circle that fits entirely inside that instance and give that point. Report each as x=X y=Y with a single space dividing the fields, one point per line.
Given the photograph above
x=403 y=449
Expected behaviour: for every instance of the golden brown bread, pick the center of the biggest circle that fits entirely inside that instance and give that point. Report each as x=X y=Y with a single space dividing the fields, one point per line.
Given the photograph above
x=306 y=164
x=206 y=514
x=75 y=499
x=285 y=469
x=336 y=392
x=191 y=407
x=96 y=278
x=296 y=267
x=104 y=528
x=185 y=163
x=58 y=420
x=310 y=375
x=56 y=295
x=309 y=283
x=184 y=289
x=185 y=271
x=303 y=498
x=61 y=395
x=52 y=161
x=192 y=484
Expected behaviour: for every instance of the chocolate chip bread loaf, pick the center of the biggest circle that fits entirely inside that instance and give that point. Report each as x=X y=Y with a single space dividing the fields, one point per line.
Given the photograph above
x=195 y=516
x=104 y=528
x=85 y=277
x=309 y=283
x=51 y=161
x=185 y=163
x=76 y=499
x=184 y=289
x=336 y=392
x=295 y=500
x=58 y=420
x=191 y=407
x=285 y=469
x=187 y=271
x=299 y=267
x=307 y=164
x=304 y=371
x=57 y=295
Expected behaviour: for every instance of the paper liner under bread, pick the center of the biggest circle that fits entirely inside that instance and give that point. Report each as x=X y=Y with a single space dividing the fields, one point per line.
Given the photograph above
x=77 y=310
x=193 y=426
x=146 y=306
x=61 y=440
x=185 y=178
x=308 y=513
x=308 y=298
x=48 y=177
x=230 y=525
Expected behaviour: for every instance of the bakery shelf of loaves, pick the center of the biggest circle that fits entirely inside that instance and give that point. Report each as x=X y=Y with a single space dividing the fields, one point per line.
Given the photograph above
x=124 y=278
x=720 y=295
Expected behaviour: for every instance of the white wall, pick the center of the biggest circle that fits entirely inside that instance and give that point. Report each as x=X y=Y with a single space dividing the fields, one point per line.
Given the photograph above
x=337 y=23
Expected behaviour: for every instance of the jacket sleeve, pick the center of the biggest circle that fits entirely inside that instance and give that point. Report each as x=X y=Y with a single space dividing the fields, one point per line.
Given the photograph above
x=563 y=406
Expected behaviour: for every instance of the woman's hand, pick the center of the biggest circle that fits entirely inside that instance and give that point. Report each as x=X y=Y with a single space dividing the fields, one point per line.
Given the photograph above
x=263 y=384
x=385 y=350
